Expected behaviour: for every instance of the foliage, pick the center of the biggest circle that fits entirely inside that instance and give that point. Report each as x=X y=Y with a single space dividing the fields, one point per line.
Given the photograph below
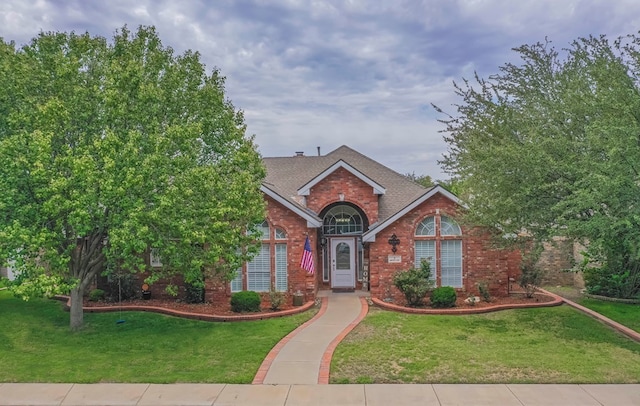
x=122 y=146
x=40 y=285
x=96 y=295
x=276 y=299
x=549 y=147
x=443 y=296
x=414 y=283
x=618 y=283
x=483 y=288
x=35 y=333
x=530 y=278
x=245 y=301
x=423 y=180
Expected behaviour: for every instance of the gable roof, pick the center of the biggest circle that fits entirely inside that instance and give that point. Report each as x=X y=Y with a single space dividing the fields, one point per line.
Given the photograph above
x=306 y=188
x=291 y=178
x=370 y=235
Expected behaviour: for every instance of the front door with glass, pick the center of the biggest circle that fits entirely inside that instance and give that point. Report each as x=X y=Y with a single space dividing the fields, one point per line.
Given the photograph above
x=343 y=263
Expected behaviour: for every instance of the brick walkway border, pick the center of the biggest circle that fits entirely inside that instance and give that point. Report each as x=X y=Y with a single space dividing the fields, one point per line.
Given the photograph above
x=188 y=315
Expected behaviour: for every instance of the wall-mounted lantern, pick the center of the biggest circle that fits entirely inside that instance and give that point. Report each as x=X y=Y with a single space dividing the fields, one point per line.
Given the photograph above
x=394 y=241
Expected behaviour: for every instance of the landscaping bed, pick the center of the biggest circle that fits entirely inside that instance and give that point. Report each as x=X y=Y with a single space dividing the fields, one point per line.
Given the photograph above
x=513 y=301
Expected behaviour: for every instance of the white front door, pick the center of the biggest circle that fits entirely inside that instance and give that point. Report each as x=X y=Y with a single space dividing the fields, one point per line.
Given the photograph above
x=343 y=263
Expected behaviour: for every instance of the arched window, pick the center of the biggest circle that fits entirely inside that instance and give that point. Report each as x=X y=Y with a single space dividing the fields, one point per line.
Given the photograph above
x=342 y=219
x=437 y=241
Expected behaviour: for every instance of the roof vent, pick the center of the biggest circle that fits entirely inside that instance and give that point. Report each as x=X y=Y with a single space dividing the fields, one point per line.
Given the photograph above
x=299 y=153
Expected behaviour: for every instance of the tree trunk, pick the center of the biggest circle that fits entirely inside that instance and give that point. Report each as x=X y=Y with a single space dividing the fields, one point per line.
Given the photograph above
x=76 y=313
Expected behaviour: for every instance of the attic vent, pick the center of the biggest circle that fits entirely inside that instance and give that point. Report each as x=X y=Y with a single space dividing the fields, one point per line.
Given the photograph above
x=299 y=153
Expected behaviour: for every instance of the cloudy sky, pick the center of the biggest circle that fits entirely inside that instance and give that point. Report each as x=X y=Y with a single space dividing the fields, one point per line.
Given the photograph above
x=311 y=73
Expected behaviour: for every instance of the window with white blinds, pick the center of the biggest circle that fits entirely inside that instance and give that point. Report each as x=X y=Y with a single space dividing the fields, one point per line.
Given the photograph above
x=281 y=267
x=433 y=242
x=426 y=250
x=236 y=283
x=259 y=271
x=451 y=263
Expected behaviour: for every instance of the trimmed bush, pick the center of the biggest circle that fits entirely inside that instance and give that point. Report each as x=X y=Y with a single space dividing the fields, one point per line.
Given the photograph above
x=444 y=296
x=194 y=293
x=414 y=283
x=245 y=301
x=96 y=295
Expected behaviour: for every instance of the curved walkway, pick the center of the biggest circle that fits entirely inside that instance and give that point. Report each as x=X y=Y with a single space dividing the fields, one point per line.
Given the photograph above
x=304 y=356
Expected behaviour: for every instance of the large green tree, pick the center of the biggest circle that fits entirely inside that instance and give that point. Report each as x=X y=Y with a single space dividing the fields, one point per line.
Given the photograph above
x=550 y=147
x=111 y=147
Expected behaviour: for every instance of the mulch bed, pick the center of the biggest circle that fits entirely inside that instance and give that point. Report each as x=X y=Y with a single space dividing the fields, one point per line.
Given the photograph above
x=513 y=301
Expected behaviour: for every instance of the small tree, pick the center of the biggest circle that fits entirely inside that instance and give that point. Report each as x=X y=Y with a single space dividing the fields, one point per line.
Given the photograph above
x=530 y=278
x=414 y=283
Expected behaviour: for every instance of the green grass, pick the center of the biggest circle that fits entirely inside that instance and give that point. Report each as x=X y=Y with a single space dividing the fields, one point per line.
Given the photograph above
x=624 y=313
x=545 y=345
x=36 y=345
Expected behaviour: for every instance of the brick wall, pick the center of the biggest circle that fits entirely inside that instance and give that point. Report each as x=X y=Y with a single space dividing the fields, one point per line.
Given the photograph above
x=480 y=263
x=353 y=189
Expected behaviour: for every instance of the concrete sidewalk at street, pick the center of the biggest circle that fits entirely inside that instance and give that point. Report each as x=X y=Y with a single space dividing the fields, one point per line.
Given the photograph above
x=45 y=394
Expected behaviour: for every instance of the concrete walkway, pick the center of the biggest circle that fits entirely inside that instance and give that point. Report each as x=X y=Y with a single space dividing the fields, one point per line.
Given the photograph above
x=304 y=356
x=15 y=394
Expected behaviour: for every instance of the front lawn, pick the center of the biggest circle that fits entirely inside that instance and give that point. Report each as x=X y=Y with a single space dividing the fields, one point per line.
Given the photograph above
x=624 y=313
x=36 y=345
x=544 y=345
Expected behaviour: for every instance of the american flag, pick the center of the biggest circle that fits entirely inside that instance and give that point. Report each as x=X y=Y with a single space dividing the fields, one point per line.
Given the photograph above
x=307 y=258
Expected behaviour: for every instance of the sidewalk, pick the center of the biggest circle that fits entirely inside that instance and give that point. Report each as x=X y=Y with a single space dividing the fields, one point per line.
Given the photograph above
x=14 y=394
x=303 y=356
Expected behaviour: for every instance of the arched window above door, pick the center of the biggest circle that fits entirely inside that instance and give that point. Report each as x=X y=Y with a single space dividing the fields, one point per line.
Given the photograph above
x=342 y=219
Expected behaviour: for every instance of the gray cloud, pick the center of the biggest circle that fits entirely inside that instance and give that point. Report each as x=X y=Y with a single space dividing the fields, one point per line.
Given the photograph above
x=327 y=73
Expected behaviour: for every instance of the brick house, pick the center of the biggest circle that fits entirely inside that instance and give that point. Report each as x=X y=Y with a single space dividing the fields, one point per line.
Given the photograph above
x=364 y=222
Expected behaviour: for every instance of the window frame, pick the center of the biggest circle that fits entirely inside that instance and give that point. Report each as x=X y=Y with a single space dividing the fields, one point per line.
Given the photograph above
x=445 y=240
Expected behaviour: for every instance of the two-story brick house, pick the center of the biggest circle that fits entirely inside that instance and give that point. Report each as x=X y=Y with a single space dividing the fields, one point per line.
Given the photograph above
x=364 y=222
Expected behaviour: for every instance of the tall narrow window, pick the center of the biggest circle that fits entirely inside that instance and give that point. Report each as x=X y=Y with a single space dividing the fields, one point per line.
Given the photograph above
x=451 y=263
x=426 y=250
x=281 y=267
x=236 y=283
x=259 y=270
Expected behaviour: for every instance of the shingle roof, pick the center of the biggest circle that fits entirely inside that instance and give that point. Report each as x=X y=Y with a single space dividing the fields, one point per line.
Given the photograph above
x=285 y=175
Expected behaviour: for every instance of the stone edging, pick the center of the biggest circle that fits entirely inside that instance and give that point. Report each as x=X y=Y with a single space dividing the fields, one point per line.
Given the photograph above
x=266 y=363
x=325 y=362
x=188 y=315
x=634 y=335
x=611 y=299
x=557 y=301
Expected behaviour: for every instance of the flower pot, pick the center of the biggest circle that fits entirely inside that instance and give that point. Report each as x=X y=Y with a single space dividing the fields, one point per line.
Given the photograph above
x=146 y=295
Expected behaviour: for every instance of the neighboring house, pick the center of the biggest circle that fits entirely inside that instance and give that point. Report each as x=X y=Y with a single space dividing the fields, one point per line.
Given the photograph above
x=365 y=222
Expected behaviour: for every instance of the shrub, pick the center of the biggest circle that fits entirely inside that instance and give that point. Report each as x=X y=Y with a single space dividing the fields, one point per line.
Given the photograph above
x=96 y=295
x=245 y=301
x=530 y=279
x=444 y=296
x=276 y=299
x=123 y=286
x=605 y=282
x=414 y=283
x=193 y=293
x=483 y=288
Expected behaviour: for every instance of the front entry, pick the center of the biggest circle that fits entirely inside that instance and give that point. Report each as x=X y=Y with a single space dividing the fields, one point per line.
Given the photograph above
x=343 y=263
